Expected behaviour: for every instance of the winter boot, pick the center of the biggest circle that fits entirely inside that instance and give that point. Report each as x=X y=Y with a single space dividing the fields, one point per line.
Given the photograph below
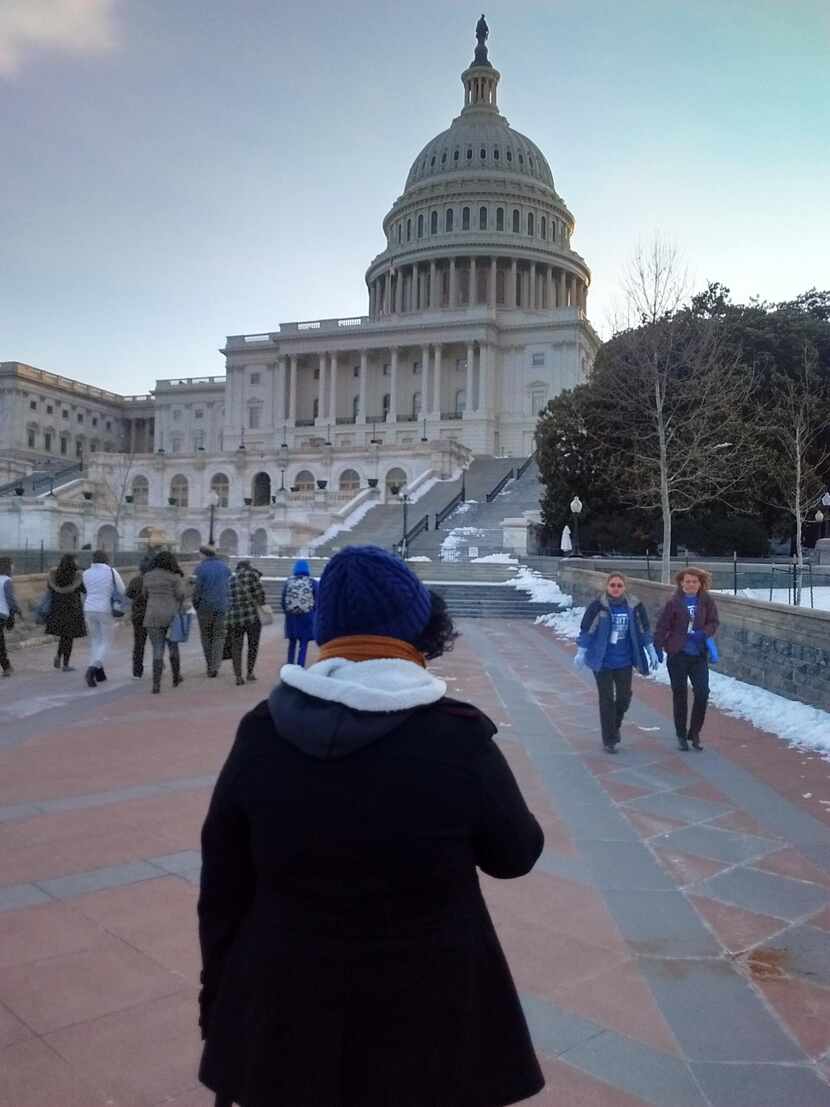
x=58 y=661
x=682 y=744
x=695 y=740
x=89 y=676
x=158 y=669
x=100 y=675
x=176 y=670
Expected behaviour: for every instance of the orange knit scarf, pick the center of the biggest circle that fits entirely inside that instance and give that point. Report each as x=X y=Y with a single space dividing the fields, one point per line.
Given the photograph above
x=370 y=647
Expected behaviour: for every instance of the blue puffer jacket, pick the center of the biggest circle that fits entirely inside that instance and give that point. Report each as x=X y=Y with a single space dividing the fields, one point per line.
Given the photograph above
x=595 y=630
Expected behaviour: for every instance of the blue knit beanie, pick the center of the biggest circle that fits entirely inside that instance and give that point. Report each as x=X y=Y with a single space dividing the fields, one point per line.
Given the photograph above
x=301 y=568
x=365 y=590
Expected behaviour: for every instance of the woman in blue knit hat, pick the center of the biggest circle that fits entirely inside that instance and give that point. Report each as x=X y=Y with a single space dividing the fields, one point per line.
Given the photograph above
x=348 y=955
x=299 y=599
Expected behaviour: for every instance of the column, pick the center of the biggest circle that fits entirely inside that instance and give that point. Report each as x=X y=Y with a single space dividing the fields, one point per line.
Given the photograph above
x=364 y=368
x=279 y=394
x=531 y=299
x=585 y=298
x=473 y=292
x=321 y=389
x=392 y=416
x=436 y=382
x=452 y=284
x=292 y=390
x=468 y=405
x=398 y=291
x=491 y=291
x=424 y=380
x=572 y=290
x=333 y=394
x=563 y=289
x=513 y=279
x=483 y=374
x=387 y=295
x=433 y=291
x=550 y=301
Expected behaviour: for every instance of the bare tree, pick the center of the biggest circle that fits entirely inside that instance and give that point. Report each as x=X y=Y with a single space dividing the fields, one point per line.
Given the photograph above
x=113 y=480
x=673 y=398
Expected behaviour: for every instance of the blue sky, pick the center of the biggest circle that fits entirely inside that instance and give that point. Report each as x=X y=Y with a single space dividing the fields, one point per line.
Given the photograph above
x=174 y=171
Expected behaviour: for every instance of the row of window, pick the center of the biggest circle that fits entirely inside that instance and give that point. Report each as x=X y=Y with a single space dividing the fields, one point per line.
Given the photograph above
x=50 y=410
x=417 y=226
x=493 y=154
x=60 y=443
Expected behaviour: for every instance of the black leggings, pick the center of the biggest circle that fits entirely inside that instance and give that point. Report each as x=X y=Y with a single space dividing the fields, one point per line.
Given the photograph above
x=685 y=669
x=614 y=687
x=65 y=643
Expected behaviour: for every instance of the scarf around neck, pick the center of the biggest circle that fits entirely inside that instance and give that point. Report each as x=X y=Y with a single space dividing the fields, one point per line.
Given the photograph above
x=371 y=647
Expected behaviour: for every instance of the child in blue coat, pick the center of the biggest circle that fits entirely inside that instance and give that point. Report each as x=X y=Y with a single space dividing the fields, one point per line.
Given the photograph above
x=614 y=637
x=299 y=599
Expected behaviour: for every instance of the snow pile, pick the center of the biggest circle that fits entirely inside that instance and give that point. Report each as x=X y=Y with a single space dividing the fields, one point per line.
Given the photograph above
x=463 y=508
x=348 y=523
x=539 y=589
x=458 y=537
x=422 y=558
x=564 y=624
x=495 y=559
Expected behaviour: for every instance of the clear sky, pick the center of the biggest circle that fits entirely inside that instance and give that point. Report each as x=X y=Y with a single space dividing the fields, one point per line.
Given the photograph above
x=173 y=171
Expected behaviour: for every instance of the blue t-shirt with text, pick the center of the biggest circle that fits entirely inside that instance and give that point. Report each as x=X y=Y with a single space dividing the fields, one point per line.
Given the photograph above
x=694 y=638
x=618 y=654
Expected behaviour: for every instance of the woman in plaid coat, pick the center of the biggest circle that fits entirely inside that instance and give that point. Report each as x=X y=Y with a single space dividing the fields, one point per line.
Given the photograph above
x=246 y=595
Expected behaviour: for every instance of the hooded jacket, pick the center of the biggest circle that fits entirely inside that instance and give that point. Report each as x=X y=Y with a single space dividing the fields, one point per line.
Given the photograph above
x=66 y=609
x=348 y=955
x=595 y=632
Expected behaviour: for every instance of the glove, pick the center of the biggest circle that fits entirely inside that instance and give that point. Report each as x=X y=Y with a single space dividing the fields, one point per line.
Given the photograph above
x=712 y=647
x=579 y=660
x=653 y=660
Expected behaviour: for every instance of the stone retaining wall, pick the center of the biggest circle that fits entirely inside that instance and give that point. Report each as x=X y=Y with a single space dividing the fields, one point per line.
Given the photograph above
x=780 y=648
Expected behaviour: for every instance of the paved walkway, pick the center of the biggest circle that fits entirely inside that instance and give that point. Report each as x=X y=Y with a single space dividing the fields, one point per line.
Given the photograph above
x=672 y=947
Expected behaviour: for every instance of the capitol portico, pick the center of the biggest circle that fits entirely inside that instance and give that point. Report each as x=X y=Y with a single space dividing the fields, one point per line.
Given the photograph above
x=476 y=318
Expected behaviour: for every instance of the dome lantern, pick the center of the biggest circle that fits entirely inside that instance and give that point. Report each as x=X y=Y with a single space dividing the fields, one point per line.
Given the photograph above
x=481 y=79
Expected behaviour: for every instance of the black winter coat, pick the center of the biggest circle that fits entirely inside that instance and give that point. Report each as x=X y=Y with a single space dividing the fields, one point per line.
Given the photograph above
x=349 y=957
x=66 y=608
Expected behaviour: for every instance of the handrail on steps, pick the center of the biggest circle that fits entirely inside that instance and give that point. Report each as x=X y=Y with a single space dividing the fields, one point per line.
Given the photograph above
x=525 y=465
x=491 y=495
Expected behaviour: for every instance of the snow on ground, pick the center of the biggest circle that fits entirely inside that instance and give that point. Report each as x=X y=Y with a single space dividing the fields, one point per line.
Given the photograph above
x=495 y=559
x=458 y=536
x=463 y=508
x=421 y=558
x=797 y=723
x=821 y=596
x=348 y=523
x=538 y=588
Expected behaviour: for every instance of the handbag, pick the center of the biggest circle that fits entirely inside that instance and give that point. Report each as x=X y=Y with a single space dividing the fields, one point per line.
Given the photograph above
x=42 y=609
x=118 y=605
x=179 y=629
x=265 y=614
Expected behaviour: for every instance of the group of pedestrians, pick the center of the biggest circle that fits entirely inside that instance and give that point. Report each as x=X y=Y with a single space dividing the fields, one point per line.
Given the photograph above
x=615 y=638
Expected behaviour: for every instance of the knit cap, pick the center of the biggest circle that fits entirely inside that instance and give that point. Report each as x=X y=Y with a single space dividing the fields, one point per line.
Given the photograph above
x=365 y=590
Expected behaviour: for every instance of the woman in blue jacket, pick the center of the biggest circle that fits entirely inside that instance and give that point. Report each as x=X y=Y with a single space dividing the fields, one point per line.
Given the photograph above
x=299 y=599
x=613 y=638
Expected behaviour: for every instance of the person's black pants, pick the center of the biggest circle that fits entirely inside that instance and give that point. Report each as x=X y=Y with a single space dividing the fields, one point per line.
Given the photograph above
x=237 y=635
x=683 y=668
x=614 y=687
x=4 y=656
x=65 y=643
x=139 y=642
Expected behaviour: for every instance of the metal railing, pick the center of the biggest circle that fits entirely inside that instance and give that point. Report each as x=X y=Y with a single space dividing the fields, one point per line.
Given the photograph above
x=402 y=547
x=56 y=479
x=491 y=495
x=449 y=508
x=525 y=465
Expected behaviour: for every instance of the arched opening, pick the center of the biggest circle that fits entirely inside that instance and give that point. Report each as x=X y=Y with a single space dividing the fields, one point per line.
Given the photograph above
x=448 y=220
x=141 y=491
x=395 y=476
x=349 y=481
x=530 y=224
x=499 y=219
x=68 y=538
x=517 y=226
x=229 y=542
x=420 y=226
x=179 y=491
x=221 y=486
x=107 y=538
x=190 y=540
x=482 y=219
x=261 y=490
x=409 y=230
x=460 y=401
x=259 y=542
x=433 y=223
x=465 y=219
x=304 y=481
x=543 y=227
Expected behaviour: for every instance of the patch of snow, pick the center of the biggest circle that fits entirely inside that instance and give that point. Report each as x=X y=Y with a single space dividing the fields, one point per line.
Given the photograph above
x=463 y=508
x=422 y=558
x=821 y=595
x=348 y=523
x=539 y=589
x=458 y=536
x=495 y=559
x=564 y=624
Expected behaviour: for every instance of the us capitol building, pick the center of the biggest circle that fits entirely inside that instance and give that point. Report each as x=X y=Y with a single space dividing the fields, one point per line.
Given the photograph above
x=477 y=316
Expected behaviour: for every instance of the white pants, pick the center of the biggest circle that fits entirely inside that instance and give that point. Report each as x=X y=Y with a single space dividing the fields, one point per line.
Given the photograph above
x=100 y=626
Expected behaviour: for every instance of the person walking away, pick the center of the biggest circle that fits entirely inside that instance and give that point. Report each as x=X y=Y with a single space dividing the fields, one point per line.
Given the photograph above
x=348 y=954
x=9 y=608
x=66 y=609
x=100 y=581
x=164 y=594
x=211 y=596
x=246 y=596
x=299 y=598
x=686 y=628
x=614 y=637
x=138 y=605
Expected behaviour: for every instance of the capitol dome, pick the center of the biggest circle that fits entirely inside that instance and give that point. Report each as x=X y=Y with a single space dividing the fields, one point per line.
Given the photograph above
x=479 y=219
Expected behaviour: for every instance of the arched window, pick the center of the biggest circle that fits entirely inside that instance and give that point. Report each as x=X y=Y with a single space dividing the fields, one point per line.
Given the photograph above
x=220 y=484
x=395 y=476
x=433 y=223
x=499 y=219
x=68 y=538
x=482 y=153
x=543 y=227
x=304 y=481
x=496 y=154
x=107 y=538
x=553 y=228
x=409 y=230
x=400 y=232
x=509 y=155
x=460 y=401
x=482 y=219
x=444 y=158
x=387 y=399
x=420 y=226
x=349 y=481
x=416 y=404
x=516 y=221
x=261 y=490
x=179 y=491
x=448 y=220
x=229 y=542
x=456 y=155
x=465 y=219
x=259 y=542
x=530 y=224
x=469 y=153
x=190 y=540
x=141 y=491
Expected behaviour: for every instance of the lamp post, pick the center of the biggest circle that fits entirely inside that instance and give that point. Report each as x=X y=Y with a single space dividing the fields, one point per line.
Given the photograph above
x=395 y=489
x=282 y=478
x=576 y=511
x=284 y=443
x=213 y=500
x=825 y=503
x=424 y=435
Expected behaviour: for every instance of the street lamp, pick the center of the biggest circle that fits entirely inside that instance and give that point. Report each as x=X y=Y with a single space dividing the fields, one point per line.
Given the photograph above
x=395 y=489
x=576 y=511
x=424 y=435
x=213 y=500
x=825 y=503
x=282 y=478
x=284 y=443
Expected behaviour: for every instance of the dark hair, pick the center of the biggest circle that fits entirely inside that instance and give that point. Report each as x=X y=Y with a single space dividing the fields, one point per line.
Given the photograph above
x=66 y=570
x=167 y=561
x=439 y=635
x=6 y=566
x=100 y=557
